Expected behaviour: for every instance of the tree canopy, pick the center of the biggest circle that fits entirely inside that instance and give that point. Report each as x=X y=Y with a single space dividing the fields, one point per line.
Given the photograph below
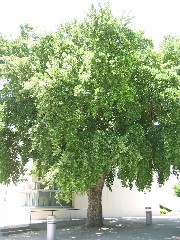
x=90 y=102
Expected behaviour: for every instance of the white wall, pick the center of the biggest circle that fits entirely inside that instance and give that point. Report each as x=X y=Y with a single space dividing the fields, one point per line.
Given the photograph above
x=121 y=202
x=166 y=195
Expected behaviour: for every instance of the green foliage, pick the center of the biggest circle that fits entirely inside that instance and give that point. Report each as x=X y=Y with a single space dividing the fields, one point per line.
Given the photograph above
x=171 y=50
x=27 y=31
x=176 y=189
x=83 y=103
x=163 y=211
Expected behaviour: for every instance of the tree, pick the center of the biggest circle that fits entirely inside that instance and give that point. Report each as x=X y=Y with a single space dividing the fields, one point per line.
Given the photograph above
x=88 y=103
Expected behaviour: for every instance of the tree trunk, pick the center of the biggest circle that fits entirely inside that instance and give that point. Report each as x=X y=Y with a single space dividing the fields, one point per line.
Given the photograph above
x=94 y=211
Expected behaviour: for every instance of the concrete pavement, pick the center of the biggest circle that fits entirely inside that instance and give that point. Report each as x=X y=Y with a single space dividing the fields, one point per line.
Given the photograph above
x=163 y=228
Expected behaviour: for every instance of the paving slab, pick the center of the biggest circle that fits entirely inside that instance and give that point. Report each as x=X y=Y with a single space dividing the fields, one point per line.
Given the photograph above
x=163 y=228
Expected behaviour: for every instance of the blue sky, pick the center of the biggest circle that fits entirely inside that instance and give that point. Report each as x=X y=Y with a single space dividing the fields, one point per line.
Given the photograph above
x=156 y=17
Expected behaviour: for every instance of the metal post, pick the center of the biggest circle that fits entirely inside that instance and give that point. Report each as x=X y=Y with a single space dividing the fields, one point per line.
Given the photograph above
x=51 y=227
x=148 y=215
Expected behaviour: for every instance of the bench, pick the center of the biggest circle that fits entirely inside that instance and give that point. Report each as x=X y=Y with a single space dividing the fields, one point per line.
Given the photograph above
x=52 y=210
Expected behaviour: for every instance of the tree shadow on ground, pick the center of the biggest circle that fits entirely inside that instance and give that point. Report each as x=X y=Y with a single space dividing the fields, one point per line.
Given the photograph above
x=124 y=229
x=115 y=229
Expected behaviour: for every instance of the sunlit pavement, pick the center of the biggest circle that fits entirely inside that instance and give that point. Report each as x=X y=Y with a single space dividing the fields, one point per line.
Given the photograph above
x=165 y=227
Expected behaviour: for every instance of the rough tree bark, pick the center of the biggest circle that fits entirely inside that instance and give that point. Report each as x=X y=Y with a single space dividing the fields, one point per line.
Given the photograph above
x=94 y=211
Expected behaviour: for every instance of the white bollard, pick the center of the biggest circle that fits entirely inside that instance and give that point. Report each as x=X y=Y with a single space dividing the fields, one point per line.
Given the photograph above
x=148 y=215
x=51 y=227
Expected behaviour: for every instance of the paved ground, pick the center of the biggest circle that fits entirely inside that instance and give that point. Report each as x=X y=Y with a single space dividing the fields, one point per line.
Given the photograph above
x=163 y=228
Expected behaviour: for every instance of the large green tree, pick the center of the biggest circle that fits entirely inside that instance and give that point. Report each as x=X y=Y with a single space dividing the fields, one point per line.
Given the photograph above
x=88 y=103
